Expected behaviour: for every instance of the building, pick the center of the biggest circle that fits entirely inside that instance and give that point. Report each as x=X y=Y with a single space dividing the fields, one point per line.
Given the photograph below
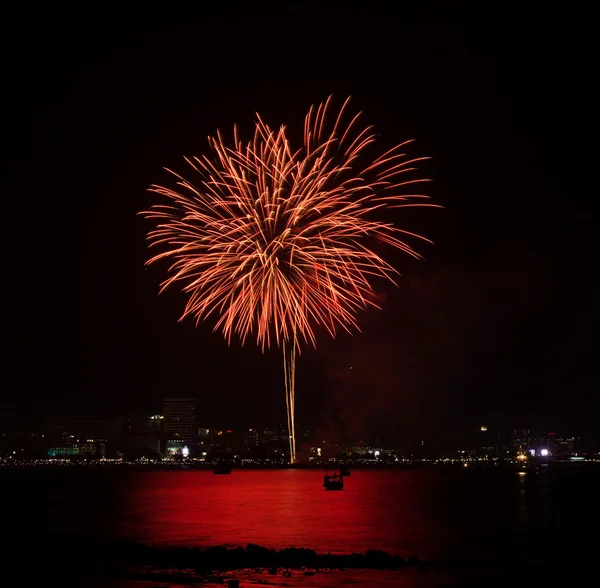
x=63 y=451
x=139 y=424
x=270 y=435
x=251 y=439
x=88 y=448
x=180 y=421
x=83 y=429
x=226 y=441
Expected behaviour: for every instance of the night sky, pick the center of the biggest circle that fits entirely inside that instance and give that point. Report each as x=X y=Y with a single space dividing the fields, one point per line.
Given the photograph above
x=502 y=316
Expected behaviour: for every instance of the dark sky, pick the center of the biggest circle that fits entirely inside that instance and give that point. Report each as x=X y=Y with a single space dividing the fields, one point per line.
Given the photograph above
x=501 y=317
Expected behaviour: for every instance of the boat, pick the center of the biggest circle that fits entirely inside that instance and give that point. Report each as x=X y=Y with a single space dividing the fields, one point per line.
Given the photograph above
x=344 y=472
x=222 y=468
x=333 y=482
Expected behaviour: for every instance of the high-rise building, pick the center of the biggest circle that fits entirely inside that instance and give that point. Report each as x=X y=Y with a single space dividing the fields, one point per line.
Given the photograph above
x=251 y=439
x=180 y=420
x=146 y=423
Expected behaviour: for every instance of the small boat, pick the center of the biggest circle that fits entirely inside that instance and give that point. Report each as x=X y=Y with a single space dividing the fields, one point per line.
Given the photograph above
x=222 y=468
x=344 y=472
x=333 y=482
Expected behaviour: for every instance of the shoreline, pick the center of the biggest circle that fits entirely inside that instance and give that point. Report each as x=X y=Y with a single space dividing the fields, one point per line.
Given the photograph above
x=133 y=560
x=439 y=465
x=254 y=564
x=220 y=558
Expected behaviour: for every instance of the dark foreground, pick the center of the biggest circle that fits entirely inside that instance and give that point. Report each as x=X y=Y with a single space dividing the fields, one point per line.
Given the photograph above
x=134 y=564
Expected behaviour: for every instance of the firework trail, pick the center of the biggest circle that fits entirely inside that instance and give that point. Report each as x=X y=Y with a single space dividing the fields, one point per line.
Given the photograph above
x=274 y=241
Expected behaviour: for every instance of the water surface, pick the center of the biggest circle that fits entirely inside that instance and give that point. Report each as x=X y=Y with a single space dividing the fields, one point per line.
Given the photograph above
x=472 y=518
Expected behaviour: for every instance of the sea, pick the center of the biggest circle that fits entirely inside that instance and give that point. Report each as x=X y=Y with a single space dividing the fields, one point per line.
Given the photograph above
x=539 y=527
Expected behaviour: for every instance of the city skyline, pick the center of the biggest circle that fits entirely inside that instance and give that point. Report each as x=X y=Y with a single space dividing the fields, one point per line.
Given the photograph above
x=177 y=434
x=181 y=421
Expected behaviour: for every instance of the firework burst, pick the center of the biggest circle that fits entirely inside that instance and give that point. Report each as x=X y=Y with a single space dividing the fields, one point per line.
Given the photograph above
x=274 y=241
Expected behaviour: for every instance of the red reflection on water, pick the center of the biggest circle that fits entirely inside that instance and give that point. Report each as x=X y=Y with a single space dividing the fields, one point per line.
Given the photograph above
x=376 y=510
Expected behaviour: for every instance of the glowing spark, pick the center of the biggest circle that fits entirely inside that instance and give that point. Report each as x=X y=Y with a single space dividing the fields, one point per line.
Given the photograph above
x=274 y=241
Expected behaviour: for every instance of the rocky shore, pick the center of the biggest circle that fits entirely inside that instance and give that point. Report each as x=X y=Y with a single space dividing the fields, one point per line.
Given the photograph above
x=252 y=556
